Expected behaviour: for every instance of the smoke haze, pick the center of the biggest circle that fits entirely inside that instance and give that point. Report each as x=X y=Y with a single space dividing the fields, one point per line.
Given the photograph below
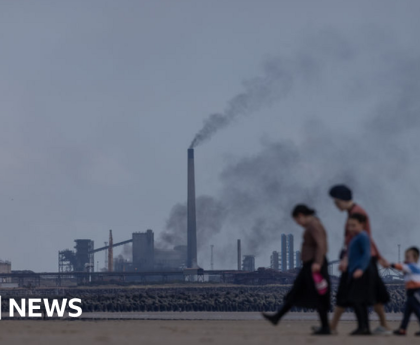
x=210 y=216
x=98 y=102
x=378 y=160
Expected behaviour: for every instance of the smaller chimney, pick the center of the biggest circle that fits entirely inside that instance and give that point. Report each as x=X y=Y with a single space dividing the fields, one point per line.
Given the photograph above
x=110 y=253
x=239 y=255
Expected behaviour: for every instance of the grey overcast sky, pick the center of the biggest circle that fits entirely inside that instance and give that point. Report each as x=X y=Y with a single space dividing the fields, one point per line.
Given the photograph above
x=99 y=101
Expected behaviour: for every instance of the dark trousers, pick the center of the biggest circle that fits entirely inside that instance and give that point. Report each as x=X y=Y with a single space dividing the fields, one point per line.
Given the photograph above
x=322 y=312
x=362 y=315
x=411 y=306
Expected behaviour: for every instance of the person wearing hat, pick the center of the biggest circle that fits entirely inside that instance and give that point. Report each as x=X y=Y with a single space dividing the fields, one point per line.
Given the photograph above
x=343 y=199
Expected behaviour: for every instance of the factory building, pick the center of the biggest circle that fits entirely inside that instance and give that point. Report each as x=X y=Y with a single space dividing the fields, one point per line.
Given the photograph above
x=148 y=258
x=275 y=261
x=144 y=257
x=5 y=267
x=144 y=250
x=79 y=260
x=84 y=259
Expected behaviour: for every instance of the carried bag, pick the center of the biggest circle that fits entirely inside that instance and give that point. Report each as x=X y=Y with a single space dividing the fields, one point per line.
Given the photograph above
x=321 y=283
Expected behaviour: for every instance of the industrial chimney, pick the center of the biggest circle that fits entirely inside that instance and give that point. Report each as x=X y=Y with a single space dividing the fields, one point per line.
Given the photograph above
x=239 y=255
x=110 y=253
x=191 y=221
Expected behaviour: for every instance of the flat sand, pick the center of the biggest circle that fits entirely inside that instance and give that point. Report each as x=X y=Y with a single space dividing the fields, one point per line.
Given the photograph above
x=182 y=332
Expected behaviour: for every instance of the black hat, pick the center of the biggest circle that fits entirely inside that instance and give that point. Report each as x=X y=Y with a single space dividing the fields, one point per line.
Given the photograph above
x=341 y=192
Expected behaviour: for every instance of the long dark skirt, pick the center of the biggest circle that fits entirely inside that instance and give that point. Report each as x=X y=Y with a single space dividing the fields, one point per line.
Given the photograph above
x=304 y=293
x=360 y=291
x=341 y=296
x=379 y=288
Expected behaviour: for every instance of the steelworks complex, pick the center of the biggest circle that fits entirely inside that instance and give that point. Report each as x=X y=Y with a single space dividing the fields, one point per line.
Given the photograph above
x=177 y=263
x=147 y=258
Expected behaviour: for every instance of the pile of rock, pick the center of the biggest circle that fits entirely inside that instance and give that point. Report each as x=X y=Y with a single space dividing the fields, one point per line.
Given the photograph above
x=193 y=298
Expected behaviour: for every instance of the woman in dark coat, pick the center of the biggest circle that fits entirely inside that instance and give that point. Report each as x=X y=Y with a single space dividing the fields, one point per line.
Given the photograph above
x=306 y=293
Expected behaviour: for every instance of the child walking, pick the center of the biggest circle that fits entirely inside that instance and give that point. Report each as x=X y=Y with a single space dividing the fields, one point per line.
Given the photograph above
x=360 y=294
x=411 y=270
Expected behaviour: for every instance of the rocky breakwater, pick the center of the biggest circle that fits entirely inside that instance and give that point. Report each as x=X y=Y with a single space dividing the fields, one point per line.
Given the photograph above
x=189 y=298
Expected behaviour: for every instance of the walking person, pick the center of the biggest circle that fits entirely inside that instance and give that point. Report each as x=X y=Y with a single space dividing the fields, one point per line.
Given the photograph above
x=411 y=269
x=360 y=294
x=343 y=199
x=311 y=288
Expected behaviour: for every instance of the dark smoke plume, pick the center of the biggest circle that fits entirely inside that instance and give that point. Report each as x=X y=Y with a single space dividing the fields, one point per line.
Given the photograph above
x=278 y=78
x=260 y=92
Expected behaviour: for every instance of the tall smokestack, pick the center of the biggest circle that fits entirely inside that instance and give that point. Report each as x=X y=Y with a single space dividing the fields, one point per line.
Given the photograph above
x=191 y=220
x=211 y=257
x=110 y=253
x=239 y=255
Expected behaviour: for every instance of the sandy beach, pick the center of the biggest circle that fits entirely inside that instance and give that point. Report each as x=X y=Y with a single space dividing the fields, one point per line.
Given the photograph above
x=181 y=332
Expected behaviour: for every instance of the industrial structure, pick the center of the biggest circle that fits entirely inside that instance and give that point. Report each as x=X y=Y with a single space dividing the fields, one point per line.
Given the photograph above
x=110 y=253
x=239 y=258
x=170 y=259
x=290 y=252
x=79 y=260
x=5 y=267
x=191 y=214
x=248 y=264
x=148 y=263
x=144 y=258
x=211 y=257
x=82 y=258
x=287 y=259
x=144 y=250
x=283 y=260
x=274 y=261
